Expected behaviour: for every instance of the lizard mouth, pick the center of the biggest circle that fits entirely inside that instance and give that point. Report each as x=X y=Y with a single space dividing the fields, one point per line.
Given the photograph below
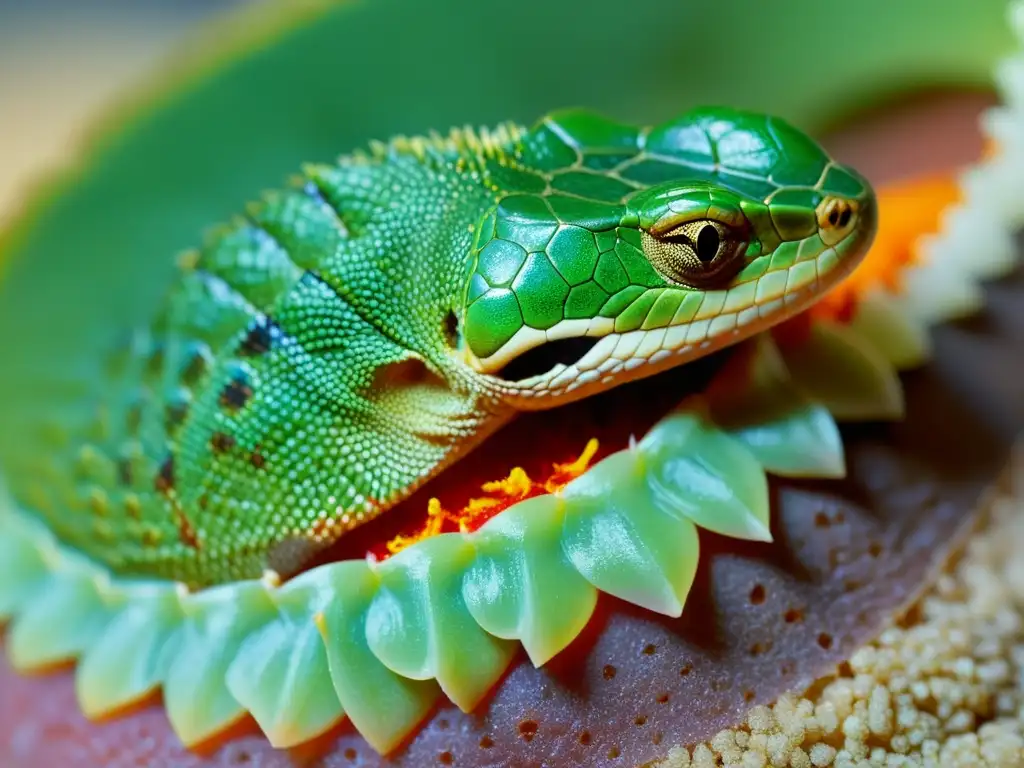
x=566 y=370
x=542 y=361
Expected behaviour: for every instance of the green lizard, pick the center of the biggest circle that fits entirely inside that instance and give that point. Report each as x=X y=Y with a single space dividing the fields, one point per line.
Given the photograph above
x=345 y=340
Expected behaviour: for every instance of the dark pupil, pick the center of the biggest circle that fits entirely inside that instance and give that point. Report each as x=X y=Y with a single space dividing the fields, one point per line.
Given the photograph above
x=707 y=243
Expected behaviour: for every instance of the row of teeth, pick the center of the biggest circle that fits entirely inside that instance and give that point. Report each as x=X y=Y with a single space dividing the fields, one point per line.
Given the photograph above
x=618 y=353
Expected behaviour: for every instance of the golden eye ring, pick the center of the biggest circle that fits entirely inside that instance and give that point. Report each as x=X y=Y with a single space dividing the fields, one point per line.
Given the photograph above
x=698 y=254
x=836 y=218
x=835 y=213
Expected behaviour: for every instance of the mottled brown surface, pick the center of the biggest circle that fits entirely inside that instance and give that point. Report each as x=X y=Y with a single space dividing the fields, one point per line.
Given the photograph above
x=762 y=619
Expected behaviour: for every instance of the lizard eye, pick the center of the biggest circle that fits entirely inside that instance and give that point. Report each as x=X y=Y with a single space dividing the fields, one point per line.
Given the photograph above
x=698 y=253
x=708 y=243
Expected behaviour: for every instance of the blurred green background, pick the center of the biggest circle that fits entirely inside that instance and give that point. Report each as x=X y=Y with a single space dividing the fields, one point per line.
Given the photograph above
x=60 y=60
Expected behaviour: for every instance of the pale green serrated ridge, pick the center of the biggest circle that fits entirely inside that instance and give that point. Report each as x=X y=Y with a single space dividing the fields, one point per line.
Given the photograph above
x=299 y=657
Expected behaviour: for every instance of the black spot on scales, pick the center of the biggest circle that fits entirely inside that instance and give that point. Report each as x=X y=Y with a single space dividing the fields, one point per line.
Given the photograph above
x=259 y=338
x=451 y=329
x=221 y=442
x=164 y=482
x=235 y=395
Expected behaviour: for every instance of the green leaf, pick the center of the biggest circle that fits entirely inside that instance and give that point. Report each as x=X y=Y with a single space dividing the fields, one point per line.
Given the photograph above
x=59 y=628
x=834 y=366
x=23 y=571
x=383 y=706
x=697 y=471
x=804 y=442
x=281 y=675
x=756 y=401
x=899 y=337
x=418 y=624
x=130 y=660
x=217 y=622
x=521 y=585
x=623 y=541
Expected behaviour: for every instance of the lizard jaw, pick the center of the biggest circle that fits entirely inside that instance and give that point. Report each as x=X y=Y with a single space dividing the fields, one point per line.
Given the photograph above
x=616 y=358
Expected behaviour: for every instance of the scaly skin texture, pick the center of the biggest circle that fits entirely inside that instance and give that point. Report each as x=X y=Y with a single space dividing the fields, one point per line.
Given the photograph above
x=324 y=355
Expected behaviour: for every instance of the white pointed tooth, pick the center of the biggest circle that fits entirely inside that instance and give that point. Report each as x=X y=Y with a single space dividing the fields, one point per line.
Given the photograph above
x=722 y=324
x=697 y=331
x=675 y=337
x=587 y=377
x=568 y=329
x=633 y=362
x=771 y=286
x=598 y=354
x=566 y=376
x=660 y=355
x=651 y=343
x=712 y=305
x=628 y=343
x=769 y=308
x=608 y=365
x=747 y=316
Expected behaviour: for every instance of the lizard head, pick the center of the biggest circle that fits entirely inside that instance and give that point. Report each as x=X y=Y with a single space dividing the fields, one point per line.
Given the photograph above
x=651 y=252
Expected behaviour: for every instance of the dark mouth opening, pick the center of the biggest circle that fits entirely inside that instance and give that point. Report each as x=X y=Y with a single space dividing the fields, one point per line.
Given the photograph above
x=542 y=359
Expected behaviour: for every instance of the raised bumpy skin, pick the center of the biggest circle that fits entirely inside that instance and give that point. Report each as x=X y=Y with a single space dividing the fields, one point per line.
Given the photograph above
x=325 y=354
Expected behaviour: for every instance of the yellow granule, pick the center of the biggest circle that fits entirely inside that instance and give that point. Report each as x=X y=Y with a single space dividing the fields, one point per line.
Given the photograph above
x=944 y=691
